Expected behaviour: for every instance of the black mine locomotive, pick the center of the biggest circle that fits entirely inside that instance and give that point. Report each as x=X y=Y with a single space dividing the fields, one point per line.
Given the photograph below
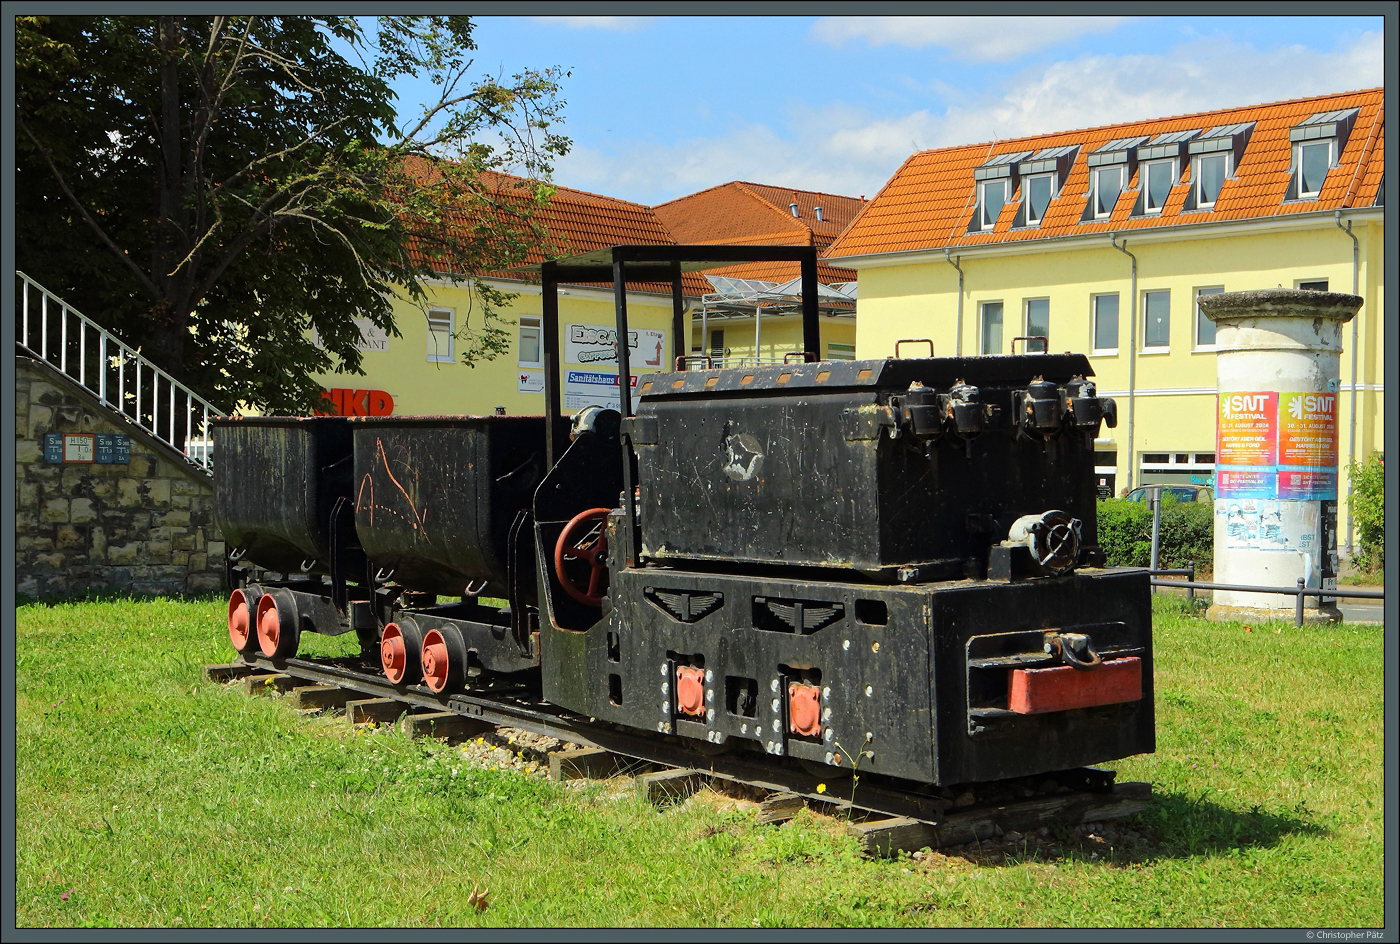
x=889 y=565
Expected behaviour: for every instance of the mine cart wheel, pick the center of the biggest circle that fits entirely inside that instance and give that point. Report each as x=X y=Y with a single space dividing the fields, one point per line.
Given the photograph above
x=585 y=538
x=400 y=652
x=277 y=629
x=242 y=616
x=444 y=659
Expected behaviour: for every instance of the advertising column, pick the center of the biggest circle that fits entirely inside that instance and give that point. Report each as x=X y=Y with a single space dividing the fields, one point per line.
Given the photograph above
x=1277 y=365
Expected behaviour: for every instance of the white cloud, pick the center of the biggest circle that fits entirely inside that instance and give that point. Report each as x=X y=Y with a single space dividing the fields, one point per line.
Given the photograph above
x=1099 y=90
x=617 y=24
x=846 y=150
x=978 y=38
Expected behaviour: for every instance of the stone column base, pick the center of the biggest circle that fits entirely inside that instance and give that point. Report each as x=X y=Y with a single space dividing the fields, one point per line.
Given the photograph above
x=1312 y=615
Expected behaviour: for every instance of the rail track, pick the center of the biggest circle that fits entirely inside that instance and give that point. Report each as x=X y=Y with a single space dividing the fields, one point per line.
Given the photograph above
x=887 y=816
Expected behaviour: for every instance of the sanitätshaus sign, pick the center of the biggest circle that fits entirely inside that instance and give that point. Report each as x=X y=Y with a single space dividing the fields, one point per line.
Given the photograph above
x=1276 y=446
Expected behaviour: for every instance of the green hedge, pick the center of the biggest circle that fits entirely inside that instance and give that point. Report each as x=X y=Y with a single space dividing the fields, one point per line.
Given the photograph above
x=1368 y=513
x=1188 y=534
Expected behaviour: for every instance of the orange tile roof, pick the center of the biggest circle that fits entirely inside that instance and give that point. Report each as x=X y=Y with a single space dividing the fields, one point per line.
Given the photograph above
x=575 y=221
x=742 y=213
x=929 y=201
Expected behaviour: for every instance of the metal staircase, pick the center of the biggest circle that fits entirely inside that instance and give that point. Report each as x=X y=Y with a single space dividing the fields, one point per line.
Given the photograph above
x=53 y=331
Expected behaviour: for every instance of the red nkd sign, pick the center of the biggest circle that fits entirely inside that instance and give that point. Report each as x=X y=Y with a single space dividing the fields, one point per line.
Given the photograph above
x=347 y=402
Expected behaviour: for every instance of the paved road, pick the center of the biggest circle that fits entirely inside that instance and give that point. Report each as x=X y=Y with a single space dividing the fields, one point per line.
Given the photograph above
x=1362 y=611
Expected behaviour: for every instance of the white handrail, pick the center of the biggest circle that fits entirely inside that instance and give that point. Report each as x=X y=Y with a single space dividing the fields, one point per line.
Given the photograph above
x=187 y=434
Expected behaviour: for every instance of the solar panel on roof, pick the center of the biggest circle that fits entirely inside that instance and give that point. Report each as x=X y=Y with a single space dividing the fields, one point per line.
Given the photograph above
x=1227 y=131
x=1172 y=137
x=1008 y=158
x=1121 y=144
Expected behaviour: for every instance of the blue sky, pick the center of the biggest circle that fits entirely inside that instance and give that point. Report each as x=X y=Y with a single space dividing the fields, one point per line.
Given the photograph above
x=659 y=107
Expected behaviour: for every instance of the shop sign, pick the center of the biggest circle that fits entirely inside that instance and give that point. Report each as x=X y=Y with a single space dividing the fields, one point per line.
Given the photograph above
x=597 y=344
x=347 y=402
x=588 y=388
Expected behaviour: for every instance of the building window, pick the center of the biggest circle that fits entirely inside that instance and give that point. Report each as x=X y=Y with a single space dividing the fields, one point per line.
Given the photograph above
x=1312 y=160
x=1205 y=328
x=1211 y=171
x=991 y=197
x=1105 y=315
x=1156 y=319
x=1107 y=185
x=1158 y=178
x=1313 y=285
x=440 y=335
x=840 y=352
x=1038 y=324
x=991 y=327
x=717 y=344
x=1037 y=192
x=530 y=337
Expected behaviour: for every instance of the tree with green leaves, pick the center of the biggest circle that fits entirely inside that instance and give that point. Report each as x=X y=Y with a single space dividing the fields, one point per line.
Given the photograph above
x=230 y=193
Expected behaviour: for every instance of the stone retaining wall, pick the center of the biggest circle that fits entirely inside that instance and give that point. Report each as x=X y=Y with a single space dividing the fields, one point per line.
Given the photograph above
x=146 y=527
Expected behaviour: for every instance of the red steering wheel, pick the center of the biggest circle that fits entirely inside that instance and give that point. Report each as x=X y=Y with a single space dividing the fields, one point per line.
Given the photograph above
x=584 y=538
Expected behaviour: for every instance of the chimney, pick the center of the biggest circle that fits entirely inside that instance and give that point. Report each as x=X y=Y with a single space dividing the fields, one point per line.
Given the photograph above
x=818 y=211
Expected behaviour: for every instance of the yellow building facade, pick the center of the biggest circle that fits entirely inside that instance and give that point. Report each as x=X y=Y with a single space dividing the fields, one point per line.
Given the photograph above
x=421 y=373
x=982 y=248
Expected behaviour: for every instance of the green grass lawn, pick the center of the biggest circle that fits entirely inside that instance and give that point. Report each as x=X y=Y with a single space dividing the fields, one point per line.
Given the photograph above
x=148 y=796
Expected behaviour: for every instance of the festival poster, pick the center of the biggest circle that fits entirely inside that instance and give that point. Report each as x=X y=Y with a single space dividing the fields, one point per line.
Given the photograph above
x=1246 y=444
x=1307 y=446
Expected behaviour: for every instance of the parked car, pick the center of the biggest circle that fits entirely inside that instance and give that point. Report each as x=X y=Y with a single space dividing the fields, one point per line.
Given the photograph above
x=1181 y=493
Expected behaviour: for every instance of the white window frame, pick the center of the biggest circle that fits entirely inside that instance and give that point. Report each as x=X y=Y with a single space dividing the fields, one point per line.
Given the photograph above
x=1026 y=183
x=1299 y=283
x=440 y=333
x=838 y=351
x=982 y=326
x=1026 y=322
x=1145 y=183
x=1094 y=322
x=982 y=185
x=1095 y=177
x=1156 y=348
x=1198 y=178
x=530 y=324
x=1298 y=148
x=1201 y=319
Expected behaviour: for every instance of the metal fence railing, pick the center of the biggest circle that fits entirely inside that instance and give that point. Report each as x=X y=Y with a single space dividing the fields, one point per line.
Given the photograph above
x=122 y=380
x=1300 y=592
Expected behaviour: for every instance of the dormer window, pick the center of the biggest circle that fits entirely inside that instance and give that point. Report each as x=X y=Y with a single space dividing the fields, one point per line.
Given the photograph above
x=1158 y=178
x=991 y=197
x=996 y=181
x=1109 y=169
x=1037 y=192
x=1160 y=161
x=1317 y=144
x=1105 y=184
x=1214 y=157
x=1211 y=171
x=1041 y=174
